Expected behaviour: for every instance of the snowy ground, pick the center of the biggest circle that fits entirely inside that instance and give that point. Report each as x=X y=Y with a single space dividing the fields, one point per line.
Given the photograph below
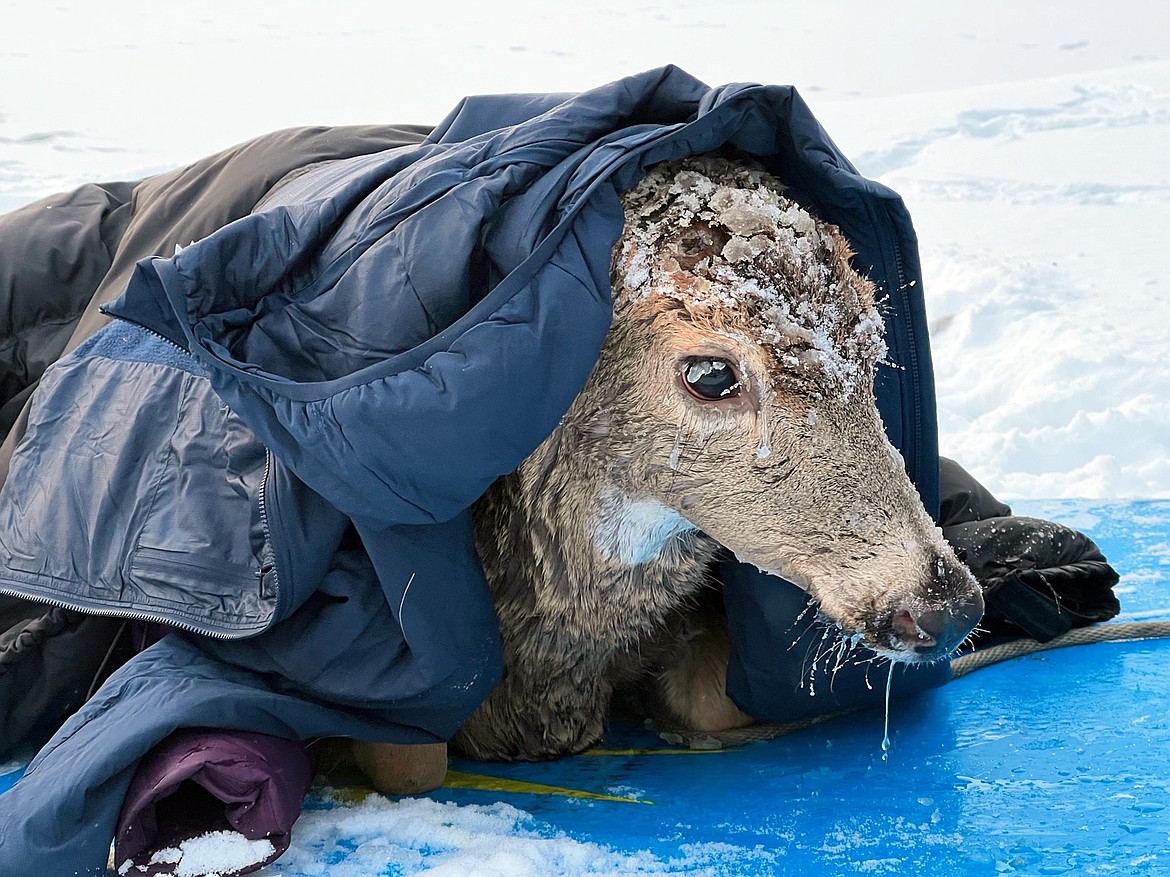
x=421 y=836
x=1029 y=140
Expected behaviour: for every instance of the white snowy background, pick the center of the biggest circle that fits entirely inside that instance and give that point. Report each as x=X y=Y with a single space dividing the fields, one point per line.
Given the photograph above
x=1030 y=139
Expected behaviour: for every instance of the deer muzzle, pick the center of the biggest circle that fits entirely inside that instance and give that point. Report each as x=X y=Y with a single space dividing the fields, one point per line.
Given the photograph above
x=929 y=621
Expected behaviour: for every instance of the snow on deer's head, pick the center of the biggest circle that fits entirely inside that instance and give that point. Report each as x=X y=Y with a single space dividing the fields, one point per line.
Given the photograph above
x=734 y=396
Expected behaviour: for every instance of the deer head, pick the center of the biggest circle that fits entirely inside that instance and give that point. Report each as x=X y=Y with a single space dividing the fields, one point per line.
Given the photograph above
x=734 y=396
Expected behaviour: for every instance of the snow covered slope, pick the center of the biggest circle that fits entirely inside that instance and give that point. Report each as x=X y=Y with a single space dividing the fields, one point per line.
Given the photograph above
x=1029 y=140
x=1038 y=205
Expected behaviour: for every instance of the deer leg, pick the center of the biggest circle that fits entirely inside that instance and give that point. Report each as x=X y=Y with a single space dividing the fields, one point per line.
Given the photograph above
x=393 y=768
x=687 y=690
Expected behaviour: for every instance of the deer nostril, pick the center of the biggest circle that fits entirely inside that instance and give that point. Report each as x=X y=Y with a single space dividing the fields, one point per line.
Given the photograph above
x=938 y=632
x=938 y=624
x=909 y=630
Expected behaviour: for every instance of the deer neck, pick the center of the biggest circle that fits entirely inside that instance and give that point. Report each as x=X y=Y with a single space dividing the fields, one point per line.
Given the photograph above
x=591 y=564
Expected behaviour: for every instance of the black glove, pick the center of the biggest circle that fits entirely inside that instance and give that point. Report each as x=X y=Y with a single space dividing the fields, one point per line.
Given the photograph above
x=1039 y=578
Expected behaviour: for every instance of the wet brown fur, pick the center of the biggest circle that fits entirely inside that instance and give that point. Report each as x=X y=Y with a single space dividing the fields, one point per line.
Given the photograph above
x=598 y=548
x=577 y=620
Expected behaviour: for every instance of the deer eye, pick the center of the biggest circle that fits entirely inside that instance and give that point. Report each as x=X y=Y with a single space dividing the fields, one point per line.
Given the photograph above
x=710 y=379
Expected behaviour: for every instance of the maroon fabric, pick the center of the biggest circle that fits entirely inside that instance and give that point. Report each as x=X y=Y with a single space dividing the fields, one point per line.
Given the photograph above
x=203 y=780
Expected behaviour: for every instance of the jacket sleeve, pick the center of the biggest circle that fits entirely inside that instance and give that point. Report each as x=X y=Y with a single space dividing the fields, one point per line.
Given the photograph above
x=59 y=819
x=53 y=254
x=202 y=780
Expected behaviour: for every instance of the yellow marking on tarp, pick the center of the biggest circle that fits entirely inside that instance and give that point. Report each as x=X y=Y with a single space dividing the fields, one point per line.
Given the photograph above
x=457 y=779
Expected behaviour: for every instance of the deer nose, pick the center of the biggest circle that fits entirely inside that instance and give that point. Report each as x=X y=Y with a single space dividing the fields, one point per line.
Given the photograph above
x=936 y=633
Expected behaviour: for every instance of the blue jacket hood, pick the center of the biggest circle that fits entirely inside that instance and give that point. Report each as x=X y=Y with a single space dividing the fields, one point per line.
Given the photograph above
x=400 y=329
x=404 y=328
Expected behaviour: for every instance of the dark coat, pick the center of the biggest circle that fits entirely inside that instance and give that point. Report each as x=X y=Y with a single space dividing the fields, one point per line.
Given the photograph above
x=275 y=447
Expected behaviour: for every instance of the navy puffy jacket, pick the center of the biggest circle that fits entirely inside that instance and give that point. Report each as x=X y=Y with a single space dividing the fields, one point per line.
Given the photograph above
x=388 y=335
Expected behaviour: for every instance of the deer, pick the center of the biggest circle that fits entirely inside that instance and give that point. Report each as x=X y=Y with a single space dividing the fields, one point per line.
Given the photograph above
x=731 y=409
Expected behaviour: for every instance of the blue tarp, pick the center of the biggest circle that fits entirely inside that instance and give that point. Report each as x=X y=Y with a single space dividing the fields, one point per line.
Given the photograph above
x=399 y=330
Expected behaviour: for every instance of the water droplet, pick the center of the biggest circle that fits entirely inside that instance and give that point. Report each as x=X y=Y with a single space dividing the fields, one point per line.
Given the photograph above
x=886 y=739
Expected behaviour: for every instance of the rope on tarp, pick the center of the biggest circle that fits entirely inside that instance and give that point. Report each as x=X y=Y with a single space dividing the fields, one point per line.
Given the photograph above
x=961 y=666
x=1079 y=636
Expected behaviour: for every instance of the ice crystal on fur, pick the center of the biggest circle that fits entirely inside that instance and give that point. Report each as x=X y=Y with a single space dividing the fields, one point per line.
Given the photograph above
x=718 y=236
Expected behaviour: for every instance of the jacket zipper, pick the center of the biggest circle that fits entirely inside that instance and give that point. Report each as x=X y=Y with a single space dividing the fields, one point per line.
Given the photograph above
x=132 y=614
x=912 y=354
x=269 y=566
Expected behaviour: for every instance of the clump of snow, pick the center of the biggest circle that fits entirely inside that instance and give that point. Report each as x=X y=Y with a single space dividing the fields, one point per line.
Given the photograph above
x=415 y=836
x=209 y=855
x=722 y=241
x=168 y=856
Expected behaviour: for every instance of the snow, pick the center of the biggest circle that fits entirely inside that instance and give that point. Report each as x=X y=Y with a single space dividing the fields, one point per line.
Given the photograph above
x=420 y=836
x=219 y=852
x=1030 y=142
x=1034 y=201
x=209 y=855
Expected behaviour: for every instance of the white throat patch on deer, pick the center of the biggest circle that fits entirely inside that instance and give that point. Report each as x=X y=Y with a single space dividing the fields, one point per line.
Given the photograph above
x=732 y=405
